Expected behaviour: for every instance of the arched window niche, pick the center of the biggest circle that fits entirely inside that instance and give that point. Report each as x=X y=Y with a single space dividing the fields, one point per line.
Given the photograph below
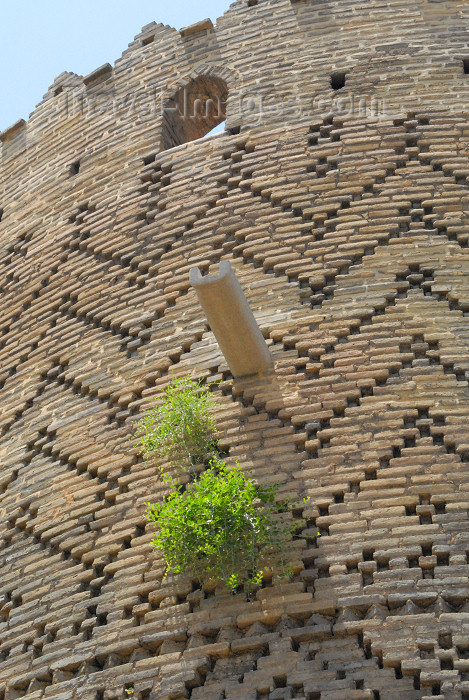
x=194 y=110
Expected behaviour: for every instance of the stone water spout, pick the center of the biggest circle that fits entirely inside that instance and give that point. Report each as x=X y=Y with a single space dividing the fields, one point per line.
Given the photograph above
x=232 y=321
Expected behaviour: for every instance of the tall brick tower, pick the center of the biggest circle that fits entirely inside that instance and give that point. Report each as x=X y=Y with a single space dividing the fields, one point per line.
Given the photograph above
x=339 y=193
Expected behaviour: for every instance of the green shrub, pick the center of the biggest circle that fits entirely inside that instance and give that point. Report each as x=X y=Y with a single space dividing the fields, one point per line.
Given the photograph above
x=222 y=527
x=181 y=427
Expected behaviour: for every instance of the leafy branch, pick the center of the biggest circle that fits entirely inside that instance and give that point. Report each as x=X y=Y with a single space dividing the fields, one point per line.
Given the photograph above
x=180 y=427
x=221 y=526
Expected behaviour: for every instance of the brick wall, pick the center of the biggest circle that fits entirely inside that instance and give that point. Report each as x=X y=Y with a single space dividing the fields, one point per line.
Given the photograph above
x=348 y=232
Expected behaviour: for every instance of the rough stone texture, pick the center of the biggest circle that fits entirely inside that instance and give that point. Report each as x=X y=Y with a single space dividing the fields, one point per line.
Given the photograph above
x=349 y=236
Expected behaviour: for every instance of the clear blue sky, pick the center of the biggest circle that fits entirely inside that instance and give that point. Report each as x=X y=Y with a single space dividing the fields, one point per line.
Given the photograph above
x=41 y=38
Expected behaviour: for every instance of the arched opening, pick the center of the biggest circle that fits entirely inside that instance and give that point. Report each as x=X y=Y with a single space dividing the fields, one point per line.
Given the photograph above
x=216 y=130
x=194 y=110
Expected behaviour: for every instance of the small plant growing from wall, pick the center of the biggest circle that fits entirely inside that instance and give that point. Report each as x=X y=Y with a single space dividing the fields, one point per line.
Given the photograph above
x=221 y=526
x=181 y=428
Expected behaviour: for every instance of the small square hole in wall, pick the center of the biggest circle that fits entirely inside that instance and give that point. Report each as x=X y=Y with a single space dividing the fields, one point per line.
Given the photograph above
x=252 y=3
x=58 y=90
x=1 y=213
x=148 y=40
x=338 y=79
x=465 y=65
x=75 y=168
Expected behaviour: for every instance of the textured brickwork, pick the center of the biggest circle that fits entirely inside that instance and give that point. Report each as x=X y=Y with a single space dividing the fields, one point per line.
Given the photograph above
x=349 y=235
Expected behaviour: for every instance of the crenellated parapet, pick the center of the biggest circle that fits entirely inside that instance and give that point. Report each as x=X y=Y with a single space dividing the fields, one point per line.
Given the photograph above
x=288 y=61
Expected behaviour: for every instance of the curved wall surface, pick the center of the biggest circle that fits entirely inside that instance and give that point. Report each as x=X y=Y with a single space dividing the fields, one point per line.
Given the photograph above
x=344 y=213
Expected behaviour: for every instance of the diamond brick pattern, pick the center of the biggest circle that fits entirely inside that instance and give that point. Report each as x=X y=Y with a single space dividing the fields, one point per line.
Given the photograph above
x=349 y=234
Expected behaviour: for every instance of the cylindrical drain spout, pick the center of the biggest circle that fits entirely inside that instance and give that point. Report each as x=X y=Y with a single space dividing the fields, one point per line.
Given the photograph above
x=232 y=321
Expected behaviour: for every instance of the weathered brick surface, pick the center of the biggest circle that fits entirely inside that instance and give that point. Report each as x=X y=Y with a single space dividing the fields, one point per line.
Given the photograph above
x=350 y=237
